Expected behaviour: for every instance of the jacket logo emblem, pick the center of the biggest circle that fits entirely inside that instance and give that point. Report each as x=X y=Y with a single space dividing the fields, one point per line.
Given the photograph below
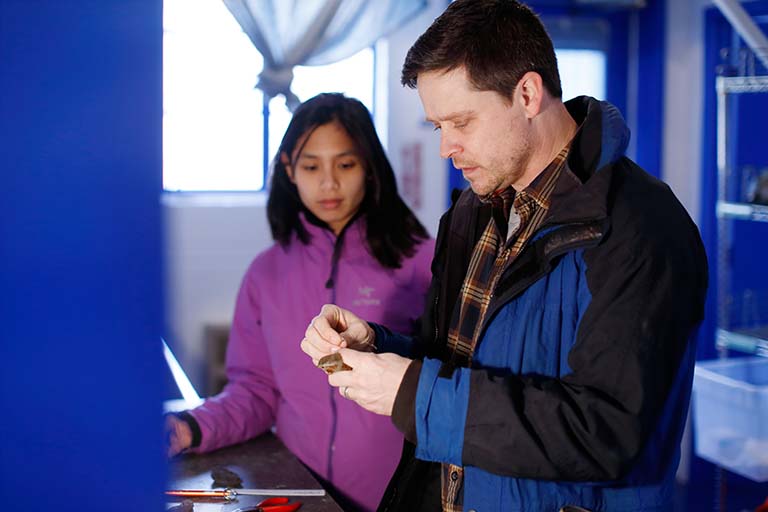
x=365 y=297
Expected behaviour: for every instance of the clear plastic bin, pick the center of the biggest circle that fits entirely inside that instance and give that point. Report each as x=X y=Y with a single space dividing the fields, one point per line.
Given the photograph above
x=730 y=413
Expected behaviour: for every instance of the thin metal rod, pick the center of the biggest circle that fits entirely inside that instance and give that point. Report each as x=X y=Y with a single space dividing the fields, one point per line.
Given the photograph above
x=279 y=492
x=231 y=493
x=746 y=27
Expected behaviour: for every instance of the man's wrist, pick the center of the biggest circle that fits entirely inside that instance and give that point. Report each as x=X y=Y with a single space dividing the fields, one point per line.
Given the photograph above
x=404 y=408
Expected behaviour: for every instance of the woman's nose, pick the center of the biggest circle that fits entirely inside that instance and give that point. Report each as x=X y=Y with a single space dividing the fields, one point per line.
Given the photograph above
x=329 y=180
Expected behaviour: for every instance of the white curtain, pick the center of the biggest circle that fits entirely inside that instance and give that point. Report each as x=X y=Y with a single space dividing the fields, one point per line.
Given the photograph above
x=291 y=33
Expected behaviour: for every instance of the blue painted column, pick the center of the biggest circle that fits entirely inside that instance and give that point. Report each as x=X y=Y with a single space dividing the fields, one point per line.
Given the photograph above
x=80 y=255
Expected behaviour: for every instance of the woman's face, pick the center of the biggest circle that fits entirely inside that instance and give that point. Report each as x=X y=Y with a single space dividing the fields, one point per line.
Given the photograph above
x=329 y=175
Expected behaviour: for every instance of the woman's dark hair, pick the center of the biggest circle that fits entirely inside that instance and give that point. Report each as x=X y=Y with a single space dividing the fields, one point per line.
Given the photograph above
x=497 y=41
x=393 y=231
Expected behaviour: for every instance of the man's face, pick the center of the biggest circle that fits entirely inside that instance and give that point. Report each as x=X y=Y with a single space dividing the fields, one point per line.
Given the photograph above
x=486 y=136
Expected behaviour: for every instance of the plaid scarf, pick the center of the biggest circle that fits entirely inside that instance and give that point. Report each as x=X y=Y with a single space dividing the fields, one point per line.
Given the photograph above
x=516 y=216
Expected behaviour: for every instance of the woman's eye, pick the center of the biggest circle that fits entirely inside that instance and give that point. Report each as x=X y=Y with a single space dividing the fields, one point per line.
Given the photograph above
x=348 y=165
x=308 y=167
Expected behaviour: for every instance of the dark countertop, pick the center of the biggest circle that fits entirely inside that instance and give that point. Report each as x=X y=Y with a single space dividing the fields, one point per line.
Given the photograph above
x=263 y=463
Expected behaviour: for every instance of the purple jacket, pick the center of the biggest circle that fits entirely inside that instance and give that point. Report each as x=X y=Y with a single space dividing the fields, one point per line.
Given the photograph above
x=272 y=382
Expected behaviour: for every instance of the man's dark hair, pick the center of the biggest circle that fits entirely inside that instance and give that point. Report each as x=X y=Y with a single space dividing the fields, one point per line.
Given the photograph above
x=392 y=230
x=497 y=41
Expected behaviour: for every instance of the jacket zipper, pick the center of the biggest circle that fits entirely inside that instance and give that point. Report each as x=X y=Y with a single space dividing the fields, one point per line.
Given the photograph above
x=434 y=313
x=331 y=285
x=517 y=289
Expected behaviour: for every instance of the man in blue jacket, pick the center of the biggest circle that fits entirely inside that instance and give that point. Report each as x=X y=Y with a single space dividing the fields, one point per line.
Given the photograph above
x=555 y=365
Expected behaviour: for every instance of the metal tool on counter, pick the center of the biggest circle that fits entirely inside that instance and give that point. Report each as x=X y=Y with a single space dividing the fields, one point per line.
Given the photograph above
x=276 y=504
x=279 y=504
x=232 y=494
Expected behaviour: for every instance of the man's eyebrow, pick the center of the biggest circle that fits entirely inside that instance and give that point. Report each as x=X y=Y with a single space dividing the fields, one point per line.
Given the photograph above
x=452 y=116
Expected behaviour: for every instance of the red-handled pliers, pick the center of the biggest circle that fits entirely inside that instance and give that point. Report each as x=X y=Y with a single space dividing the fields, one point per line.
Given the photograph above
x=276 y=504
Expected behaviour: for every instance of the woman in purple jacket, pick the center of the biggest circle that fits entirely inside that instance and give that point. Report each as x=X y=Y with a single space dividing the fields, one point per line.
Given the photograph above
x=344 y=236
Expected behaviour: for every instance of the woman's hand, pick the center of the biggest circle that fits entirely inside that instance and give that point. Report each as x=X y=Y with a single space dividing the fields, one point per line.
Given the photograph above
x=178 y=435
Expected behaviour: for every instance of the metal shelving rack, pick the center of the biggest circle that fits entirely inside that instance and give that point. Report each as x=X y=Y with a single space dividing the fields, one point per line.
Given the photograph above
x=752 y=340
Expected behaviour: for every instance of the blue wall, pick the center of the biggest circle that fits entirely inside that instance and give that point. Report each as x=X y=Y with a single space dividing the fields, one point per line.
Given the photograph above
x=80 y=252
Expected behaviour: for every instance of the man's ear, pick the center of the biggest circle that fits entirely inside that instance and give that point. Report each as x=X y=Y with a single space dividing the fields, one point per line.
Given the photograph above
x=288 y=167
x=530 y=93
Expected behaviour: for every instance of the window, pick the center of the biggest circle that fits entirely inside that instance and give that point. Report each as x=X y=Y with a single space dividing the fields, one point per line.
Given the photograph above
x=582 y=72
x=213 y=133
x=581 y=45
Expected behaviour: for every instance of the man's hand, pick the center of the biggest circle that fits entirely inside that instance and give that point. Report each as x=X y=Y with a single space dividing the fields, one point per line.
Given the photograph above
x=178 y=435
x=373 y=381
x=336 y=328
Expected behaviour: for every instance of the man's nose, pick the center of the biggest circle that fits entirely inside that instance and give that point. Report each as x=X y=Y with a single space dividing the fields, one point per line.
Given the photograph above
x=448 y=145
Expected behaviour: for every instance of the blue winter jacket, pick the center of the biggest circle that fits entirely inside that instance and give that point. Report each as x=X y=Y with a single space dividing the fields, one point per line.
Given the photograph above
x=579 y=386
